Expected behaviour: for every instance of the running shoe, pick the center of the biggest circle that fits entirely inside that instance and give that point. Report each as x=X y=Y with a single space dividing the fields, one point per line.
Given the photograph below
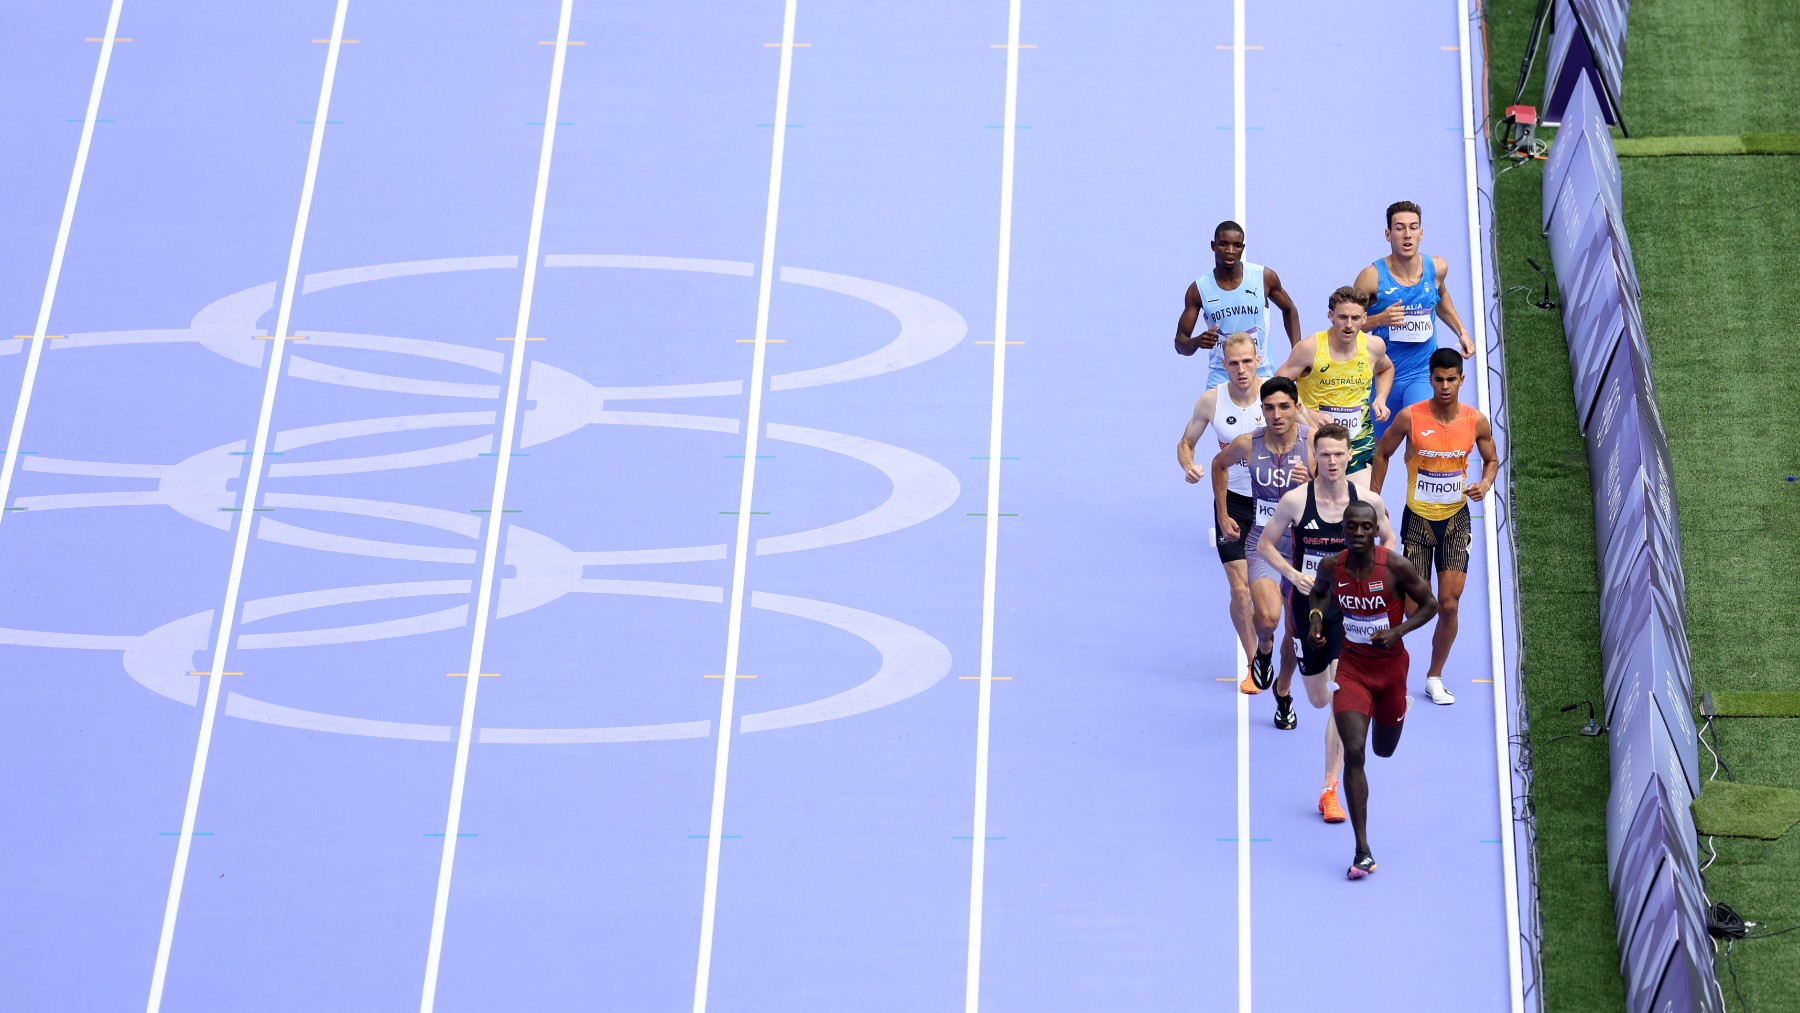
x=1329 y=808
x=1262 y=669
x=1363 y=866
x=1434 y=688
x=1285 y=718
x=1249 y=687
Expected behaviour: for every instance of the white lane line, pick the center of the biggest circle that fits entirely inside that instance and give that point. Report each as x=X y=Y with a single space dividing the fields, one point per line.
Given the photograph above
x=990 y=566
x=1240 y=206
x=36 y=354
x=234 y=584
x=490 y=548
x=709 y=904
x=1473 y=120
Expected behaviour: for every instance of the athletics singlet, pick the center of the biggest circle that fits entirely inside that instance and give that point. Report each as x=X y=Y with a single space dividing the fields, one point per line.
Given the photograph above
x=1368 y=605
x=1231 y=421
x=1340 y=391
x=1438 y=461
x=1315 y=538
x=1272 y=474
x=1244 y=308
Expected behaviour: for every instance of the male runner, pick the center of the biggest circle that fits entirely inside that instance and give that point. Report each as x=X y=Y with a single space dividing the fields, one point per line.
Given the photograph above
x=1366 y=584
x=1234 y=296
x=1314 y=514
x=1340 y=371
x=1435 y=527
x=1408 y=290
x=1279 y=457
x=1230 y=410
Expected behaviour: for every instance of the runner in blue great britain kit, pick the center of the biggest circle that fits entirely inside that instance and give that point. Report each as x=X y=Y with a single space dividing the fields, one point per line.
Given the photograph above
x=1234 y=297
x=1410 y=298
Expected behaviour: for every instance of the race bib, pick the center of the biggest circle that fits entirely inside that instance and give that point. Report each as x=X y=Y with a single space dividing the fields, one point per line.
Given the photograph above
x=1310 y=564
x=1350 y=417
x=1265 y=512
x=1444 y=488
x=1361 y=629
x=1415 y=328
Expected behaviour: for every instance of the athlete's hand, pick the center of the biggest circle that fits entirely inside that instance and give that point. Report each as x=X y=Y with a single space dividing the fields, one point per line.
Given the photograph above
x=1228 y=528
x=1393 y=316
x=1301 y=473
x=1385 y=638
x=1208 y=337
x=1381 y=411
x=1302 y=581
x=1476 y=491
x=1468 y=347
x=1316 y=635
x=1195 y=474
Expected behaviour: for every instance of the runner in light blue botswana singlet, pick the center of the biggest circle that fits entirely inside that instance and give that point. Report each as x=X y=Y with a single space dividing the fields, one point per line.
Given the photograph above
x=1244 y=308
x=1410 y=344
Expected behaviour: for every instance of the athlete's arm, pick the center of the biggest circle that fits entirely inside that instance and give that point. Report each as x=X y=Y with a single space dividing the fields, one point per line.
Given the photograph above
x=1287 y=511
x=1185 y=341
x=1384 y=525
x=1290 y=316
x=1447 y=312
x=1319 y=599
x=1407 y=579
x=1384 y=376
x=1490 y=460
x=1299 y=361
x=1196 y=428
x=1369 y=281
x=1236 y=453
x=1397 y=430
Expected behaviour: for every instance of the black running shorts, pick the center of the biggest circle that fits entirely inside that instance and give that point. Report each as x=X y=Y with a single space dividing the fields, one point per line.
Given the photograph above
x=1314 y=659
x=1241 y=509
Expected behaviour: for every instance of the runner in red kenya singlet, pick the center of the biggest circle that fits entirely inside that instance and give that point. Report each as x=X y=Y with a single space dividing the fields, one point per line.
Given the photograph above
x=1358 y=597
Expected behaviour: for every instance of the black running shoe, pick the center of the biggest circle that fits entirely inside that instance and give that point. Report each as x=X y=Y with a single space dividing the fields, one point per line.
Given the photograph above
x=1262 y=669
x=1285 y=718
x=1363 y=866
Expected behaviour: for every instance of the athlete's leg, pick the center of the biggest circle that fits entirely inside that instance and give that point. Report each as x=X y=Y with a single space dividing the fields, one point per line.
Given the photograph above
x=1449 y=593
x=1353 y=728
x=1318 y=687
x=1334 y=755
x=1265 y=613
x=1237 y=575
x=1284 y=683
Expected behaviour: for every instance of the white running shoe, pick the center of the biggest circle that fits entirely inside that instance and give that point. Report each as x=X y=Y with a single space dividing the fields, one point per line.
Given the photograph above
x=1434 y=688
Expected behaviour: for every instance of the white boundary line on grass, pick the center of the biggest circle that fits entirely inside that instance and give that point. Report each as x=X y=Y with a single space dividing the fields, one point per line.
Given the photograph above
x=1473 y=119
x=36 y=354
x=991 y=554
x=1240 y=208
x=709 y=904
x=490 y=549
x=252 y=485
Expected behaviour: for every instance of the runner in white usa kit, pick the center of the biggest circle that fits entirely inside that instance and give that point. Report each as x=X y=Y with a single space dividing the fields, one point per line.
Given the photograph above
x=1228 y=411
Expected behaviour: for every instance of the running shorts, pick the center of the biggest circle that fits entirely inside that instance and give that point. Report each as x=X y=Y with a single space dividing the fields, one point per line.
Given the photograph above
x=1262 y=569
x=1316 y=659
x=1372 y=681
x=1445 y=542
x=1242 y=509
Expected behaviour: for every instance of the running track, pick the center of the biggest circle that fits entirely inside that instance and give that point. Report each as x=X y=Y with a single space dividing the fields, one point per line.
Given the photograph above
x=579 y=786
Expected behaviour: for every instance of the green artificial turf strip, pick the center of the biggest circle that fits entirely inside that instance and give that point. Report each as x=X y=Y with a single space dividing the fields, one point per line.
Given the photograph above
x=1738 y=809
x=1714 y=240
x=1711 y=67
x=1709 y=144
x=1727 y=703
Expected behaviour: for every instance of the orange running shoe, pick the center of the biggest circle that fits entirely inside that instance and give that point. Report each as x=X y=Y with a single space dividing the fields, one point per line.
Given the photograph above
x=1328 y=806
x=1249 y=687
